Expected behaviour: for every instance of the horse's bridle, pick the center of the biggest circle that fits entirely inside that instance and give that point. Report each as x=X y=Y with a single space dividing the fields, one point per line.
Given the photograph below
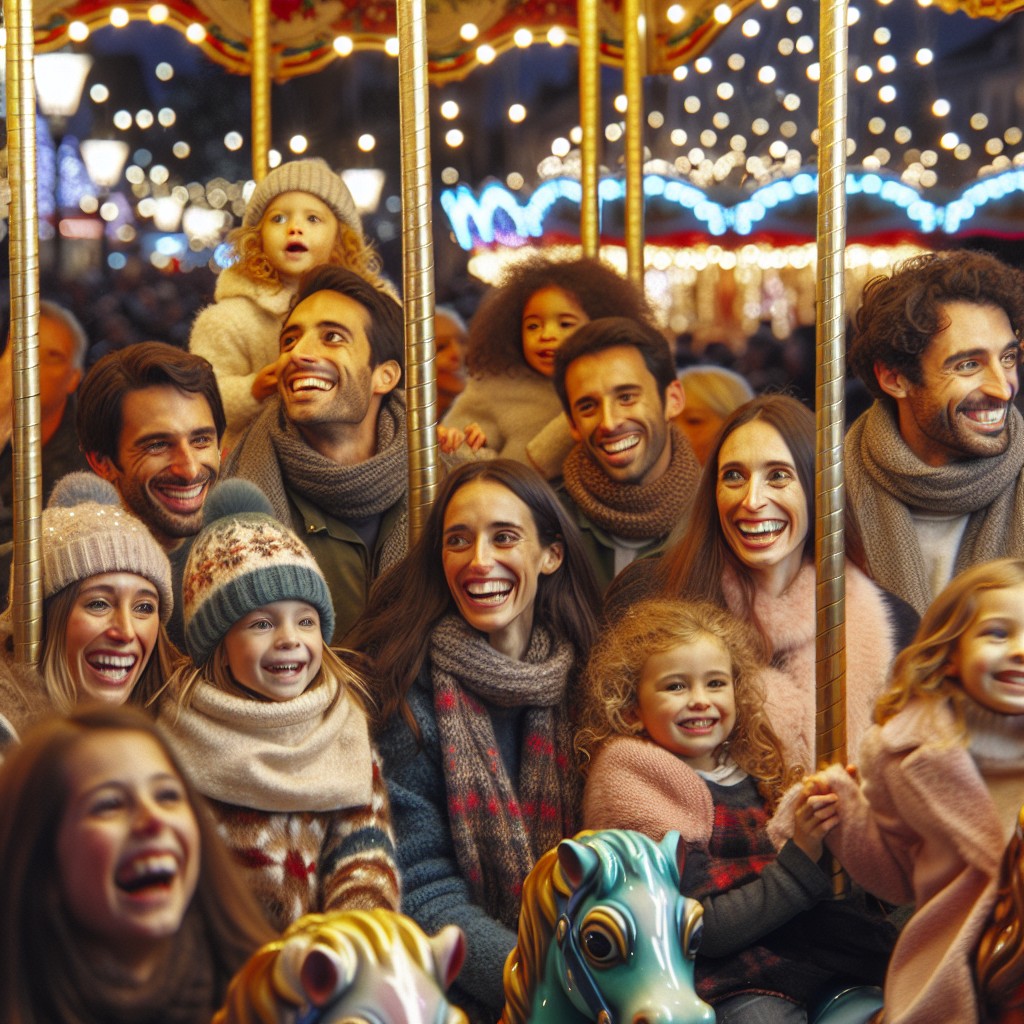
x=575 y=963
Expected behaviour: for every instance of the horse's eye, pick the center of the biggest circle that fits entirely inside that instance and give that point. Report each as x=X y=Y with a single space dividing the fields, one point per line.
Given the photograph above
x=603 y=936
x=692 y=927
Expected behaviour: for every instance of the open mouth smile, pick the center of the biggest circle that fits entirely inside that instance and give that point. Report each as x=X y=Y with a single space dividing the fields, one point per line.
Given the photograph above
x=764 y=530
x=182 y=498
x=113 y=668
x=988 y=418
x=488 y=592
x=147 y=874
x=297 y=384
x=296 y=247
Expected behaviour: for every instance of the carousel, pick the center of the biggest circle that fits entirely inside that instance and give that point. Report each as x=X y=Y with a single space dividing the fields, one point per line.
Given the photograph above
x=800 y=219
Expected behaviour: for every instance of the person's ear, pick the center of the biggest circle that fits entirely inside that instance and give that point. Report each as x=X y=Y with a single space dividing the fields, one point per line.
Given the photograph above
x=385 y=377
x=892 y=381
x=554 y=555
x=103 y=465
x=675 y=400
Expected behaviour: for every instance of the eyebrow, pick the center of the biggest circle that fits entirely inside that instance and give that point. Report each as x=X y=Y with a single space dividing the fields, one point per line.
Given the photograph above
x=500 y=525
x=106 y=588
x=290 y=329
x=121 y=784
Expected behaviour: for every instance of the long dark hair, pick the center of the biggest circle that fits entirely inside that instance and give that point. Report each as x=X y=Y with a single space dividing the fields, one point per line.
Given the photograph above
x=692 y=568
x=408 y=601
x=45 y=972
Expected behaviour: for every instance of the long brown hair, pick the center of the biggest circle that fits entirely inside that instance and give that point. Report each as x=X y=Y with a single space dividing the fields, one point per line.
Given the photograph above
x=653 y=627
x=408 y=601
x=45 y=972
x=692 y=568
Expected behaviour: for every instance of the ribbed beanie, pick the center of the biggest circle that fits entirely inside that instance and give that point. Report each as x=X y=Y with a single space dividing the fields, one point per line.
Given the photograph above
x=86 y=532
x=244 y=559
x=311 y=176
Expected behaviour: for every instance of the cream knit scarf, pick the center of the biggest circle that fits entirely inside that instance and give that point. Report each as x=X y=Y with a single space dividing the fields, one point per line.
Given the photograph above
x=884 y=479
x=500 y=826
x=634 y=511
x=277 y=756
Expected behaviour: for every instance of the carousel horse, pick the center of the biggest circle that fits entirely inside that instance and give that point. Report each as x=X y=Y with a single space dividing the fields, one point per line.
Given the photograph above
x=349 y=965
x=999 y=964
x=605 y=935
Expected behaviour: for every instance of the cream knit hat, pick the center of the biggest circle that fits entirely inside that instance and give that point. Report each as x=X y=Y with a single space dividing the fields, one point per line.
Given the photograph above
x=311 y=176
x=85 y=532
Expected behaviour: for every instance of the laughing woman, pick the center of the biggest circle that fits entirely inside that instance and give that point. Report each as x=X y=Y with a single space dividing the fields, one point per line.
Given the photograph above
x=106 y=599
x=749 y=548
x=474 y=645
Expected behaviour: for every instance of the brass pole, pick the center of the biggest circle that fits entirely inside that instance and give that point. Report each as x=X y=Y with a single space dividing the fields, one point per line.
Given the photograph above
x=417 y=261
x=26 y=568
x=634 y=51
x=590 y=126
x=259 y=85
x=831 y=329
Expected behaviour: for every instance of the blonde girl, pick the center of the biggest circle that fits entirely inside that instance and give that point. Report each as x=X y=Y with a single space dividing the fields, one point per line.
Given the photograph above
x=300 y=215
x=674 y=736
x=942 y=775
x=270 y=723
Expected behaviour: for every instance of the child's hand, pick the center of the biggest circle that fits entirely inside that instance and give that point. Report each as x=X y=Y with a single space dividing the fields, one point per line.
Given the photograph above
x=265 y=383
x=449 y=439
x=475 y=437
x=816 y=815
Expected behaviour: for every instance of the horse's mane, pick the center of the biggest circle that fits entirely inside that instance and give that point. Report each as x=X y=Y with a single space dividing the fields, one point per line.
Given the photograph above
x=268 y=983
x=999 y=965
x=539 y=913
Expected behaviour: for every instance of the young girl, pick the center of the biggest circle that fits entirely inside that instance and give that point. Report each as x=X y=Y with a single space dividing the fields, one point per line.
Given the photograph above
x=120 y=904
x=270 y=723
x=106 y=600
x=509 y=406
x=942 y=775
x=674 y=736
x=300 y=215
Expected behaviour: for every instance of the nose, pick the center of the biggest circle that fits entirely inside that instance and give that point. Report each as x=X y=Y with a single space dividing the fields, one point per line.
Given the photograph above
x=147 y=818
x=482 y=556
x=122 y=625
x=753 y=498
x=609 y=416
x=697 y=697
x=1000 y=381
x=285 y=636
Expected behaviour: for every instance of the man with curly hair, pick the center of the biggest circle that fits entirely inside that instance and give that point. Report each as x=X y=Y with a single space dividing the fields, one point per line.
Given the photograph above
x=934 y=467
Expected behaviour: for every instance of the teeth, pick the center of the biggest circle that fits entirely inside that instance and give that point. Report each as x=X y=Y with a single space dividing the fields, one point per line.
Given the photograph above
x=493 y=590
x=624 y=444
x=154 y=869
x=699 y=723
x=316 y=383
x=184 y=493
x=115 y=667
x=286 y=666
x=987 y=417
x=761 y=528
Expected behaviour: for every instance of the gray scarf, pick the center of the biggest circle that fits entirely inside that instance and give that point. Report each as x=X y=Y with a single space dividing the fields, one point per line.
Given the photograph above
x=885 y=479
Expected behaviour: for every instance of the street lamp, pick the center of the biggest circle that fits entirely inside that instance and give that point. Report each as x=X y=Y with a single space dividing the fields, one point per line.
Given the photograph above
x=104 y=160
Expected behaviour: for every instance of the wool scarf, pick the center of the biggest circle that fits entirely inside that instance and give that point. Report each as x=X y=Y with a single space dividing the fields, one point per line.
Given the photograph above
x=500 y=826
x=303 y=754
x=885 y=479
x=634 y=511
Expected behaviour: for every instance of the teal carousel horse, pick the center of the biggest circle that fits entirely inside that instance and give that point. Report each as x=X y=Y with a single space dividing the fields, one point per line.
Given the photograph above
x=606 y=935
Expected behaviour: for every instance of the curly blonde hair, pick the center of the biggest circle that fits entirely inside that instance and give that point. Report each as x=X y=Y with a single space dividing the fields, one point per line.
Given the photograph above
x=922 y=670
x=653 y=627
x=350 y=250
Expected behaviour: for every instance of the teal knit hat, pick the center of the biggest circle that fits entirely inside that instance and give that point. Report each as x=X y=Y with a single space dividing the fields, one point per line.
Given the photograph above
x=244 y=559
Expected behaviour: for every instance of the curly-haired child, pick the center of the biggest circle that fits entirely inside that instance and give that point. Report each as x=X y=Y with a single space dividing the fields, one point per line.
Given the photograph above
x=270 y=723
x=942 y=782
x=299 y=216
x=674 y=736
x=509 y=407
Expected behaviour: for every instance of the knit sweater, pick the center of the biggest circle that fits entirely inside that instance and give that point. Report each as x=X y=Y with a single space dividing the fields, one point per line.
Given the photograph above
x=303 y=845
x=239 y=335
x=922 y=830
x=521 y=417
x=22 y=695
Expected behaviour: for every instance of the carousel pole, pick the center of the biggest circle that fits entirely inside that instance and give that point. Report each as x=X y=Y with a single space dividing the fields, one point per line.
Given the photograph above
x=26 y=570
x=634 y=46
x=417 y=261
x=259 y=85
x=590 y=125
x=831 y=331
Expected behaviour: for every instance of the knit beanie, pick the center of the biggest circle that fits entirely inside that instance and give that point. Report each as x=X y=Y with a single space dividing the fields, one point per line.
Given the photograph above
x=244 y=559
x=86 y=532
x=312 y=176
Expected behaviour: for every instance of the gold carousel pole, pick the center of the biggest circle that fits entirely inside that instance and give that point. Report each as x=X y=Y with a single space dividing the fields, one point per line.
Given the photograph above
x=831 y=329
x=417 y=261
x=259 y=86
x=590 y=126
x=26 y=573
x=634 y=49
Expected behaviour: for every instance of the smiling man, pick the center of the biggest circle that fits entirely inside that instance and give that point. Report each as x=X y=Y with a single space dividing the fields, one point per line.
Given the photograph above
x=933 y=468
x=329 y=450
x=150 y=420
x=631 y=477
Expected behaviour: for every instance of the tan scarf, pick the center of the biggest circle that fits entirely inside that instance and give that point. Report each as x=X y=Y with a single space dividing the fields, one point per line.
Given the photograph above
x=500 y=826
x=279 y=756
x=884 y=479
x=634 y=511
